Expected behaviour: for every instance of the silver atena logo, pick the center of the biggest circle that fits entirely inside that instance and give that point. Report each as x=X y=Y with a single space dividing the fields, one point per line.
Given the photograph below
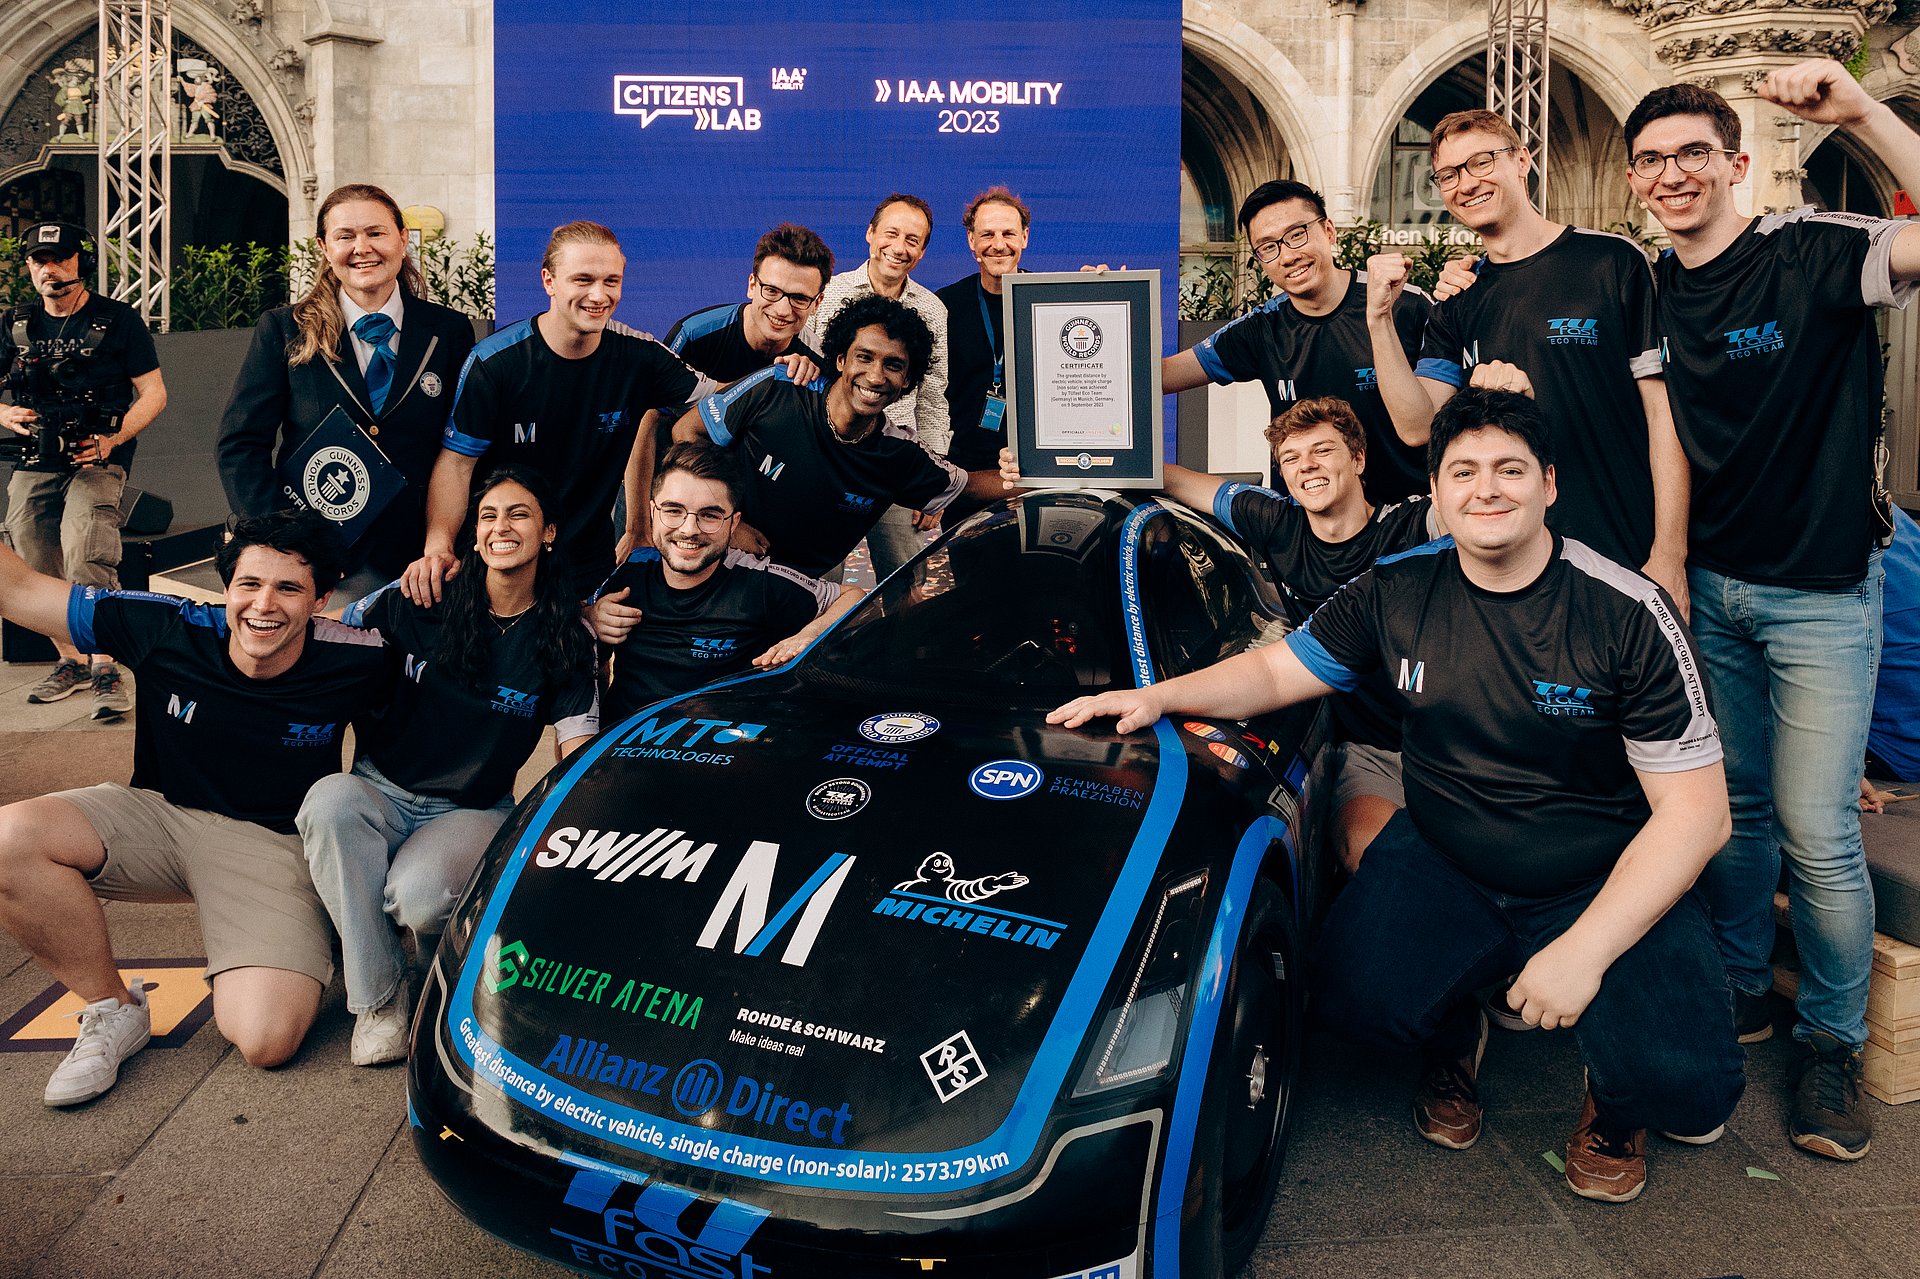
x=335 y=483
x=430 y=385
x=1080 y=338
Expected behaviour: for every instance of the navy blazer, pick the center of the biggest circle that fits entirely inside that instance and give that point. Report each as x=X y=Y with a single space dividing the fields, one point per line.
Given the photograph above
x=969 y=376
x=275 y=405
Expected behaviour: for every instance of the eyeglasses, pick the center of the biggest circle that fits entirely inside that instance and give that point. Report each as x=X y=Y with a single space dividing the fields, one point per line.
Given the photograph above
x=673 y=515
x=1691 y=159
x=772 y=296
x=1294 y=237
x=1480 y=164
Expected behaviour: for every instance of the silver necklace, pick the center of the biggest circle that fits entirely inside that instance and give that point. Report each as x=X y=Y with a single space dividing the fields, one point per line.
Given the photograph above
x=512 y=619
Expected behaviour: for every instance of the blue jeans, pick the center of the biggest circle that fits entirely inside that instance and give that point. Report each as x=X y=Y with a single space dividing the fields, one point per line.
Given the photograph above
x=1792 y=675
x=1411 y=939
x=376 y=850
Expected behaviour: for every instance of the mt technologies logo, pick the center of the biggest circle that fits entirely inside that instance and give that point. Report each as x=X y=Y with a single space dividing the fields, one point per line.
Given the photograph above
x=715 y=103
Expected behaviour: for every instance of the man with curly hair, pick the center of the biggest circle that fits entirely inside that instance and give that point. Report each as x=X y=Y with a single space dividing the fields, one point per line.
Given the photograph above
x=826 y=463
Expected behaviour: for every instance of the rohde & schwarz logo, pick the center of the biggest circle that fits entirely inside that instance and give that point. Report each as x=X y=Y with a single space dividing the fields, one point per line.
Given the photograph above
x=1006 y=779
x=715 y=102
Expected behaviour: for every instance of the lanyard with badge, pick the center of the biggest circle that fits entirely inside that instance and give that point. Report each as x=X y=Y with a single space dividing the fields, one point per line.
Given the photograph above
x=996 y=406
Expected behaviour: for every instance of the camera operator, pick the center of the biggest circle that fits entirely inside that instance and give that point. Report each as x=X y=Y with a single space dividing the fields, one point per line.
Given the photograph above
x=84 y=381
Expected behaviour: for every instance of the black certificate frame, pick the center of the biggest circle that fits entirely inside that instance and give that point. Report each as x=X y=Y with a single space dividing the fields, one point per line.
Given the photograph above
x=1137 y=467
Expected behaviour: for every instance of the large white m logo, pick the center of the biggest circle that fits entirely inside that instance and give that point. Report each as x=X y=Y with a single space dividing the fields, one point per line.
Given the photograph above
x=750 y=892
x=1412 y=678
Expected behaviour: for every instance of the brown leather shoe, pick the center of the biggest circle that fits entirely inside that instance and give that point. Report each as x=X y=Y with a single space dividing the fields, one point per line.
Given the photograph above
x=1604 y=1161
x=1446 y=1109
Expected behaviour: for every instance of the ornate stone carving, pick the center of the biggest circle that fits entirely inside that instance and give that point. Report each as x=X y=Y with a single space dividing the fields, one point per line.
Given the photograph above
x=1652 y=14
x=303 y=112
x=287 y=60
x=1821 y=42
x=248 y=13
x=310 y=187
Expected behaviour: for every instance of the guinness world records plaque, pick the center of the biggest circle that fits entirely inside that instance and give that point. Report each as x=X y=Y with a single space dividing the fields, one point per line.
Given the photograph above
x=1083 y=378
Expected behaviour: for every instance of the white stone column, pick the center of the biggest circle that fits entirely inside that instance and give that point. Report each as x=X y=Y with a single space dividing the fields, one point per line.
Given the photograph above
x=340 y=78
x=1343 y=188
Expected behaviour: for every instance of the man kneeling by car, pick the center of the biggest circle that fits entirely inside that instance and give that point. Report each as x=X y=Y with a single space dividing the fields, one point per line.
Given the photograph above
x=1564 y=791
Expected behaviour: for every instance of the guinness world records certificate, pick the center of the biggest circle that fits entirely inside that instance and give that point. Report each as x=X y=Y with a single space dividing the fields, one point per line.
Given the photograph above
x=1083 y=377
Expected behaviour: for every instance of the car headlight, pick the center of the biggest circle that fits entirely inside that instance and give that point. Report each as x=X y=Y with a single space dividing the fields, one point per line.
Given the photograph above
x=1138 y=1031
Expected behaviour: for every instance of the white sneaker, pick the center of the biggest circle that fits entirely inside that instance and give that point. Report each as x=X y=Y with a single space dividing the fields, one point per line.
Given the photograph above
x=110 y=1032
x=380 y=1036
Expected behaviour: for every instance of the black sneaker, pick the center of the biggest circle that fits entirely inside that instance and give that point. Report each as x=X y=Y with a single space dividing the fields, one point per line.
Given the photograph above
x=1752 y=1016
x=1829 y=1117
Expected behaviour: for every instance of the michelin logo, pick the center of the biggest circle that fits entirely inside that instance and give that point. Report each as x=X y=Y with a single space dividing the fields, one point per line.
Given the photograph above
x=935 y=879
x=714 y=102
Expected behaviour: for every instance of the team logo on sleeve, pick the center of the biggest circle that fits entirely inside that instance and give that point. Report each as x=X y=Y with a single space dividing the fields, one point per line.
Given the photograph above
x=336 y=484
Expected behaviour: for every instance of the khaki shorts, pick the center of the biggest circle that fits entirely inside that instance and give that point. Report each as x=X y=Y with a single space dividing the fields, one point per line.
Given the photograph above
x=257 y=903
x=1368 y=770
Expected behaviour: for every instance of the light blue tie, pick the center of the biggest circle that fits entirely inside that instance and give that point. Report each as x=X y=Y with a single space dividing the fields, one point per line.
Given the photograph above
x=376 y=330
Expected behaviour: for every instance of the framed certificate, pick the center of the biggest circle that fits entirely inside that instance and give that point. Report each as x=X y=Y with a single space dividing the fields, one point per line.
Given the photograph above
x=1083 y=377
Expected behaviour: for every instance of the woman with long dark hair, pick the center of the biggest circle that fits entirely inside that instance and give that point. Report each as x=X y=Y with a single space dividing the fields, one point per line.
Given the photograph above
x=363 y=340
x=503 y=654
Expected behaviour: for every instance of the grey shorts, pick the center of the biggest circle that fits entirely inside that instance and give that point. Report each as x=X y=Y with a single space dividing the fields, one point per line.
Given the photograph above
x=257 y=903
x=1368 y=770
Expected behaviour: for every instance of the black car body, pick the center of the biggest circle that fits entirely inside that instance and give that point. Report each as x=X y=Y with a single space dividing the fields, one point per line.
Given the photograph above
x=859 y=967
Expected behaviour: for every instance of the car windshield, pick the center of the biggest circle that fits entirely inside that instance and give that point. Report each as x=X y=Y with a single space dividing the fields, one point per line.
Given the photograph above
x=1022 y=605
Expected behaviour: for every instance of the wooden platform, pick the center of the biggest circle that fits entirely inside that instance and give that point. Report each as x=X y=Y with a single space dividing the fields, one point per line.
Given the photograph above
x=1892 y=1058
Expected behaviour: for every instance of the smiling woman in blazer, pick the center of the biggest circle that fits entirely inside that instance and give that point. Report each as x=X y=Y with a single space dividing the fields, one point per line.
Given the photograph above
x=361 y=340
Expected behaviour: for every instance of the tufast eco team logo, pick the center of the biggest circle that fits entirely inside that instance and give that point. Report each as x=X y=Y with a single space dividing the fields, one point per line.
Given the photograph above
x=336 y=484
x=1573 y=331
x=1367 y=379
x=1562 y=700
x=715 y=103
x=1758 y=339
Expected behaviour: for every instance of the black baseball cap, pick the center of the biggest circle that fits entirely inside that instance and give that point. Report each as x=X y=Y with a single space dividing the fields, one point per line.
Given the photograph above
x=61 y=239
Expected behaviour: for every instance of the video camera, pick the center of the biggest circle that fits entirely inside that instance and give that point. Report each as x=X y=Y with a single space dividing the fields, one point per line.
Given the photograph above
x=66 y=399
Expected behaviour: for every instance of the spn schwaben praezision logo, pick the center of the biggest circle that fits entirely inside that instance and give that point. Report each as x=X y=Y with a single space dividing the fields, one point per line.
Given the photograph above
x=715 y=103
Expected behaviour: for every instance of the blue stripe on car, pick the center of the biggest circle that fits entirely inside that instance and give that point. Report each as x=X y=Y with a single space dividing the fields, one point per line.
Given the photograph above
x=1197 y=1056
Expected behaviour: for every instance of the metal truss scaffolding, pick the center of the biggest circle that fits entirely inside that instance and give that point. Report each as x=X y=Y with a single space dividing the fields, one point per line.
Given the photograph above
x=1517 y=75
x=136 y=155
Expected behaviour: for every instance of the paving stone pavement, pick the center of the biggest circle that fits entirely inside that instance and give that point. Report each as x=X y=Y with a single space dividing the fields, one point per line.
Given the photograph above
x=199 y=1166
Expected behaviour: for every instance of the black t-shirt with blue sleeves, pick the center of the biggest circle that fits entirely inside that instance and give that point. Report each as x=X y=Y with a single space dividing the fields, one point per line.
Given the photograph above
x=1310 y=572
x=813 y=495
x=1526 y=712
x=438 y=736
x=687 y=638
x=208 y=737
x=713 y=341
x=1578 y=317
x=573 y=421
x=1296 y=356
x=1773 y=363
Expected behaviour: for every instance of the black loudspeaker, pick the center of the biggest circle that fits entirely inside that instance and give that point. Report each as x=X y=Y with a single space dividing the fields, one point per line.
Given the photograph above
x=144 y=514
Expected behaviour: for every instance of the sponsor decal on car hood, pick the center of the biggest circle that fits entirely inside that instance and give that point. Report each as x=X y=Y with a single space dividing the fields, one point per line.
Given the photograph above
x=886 y=998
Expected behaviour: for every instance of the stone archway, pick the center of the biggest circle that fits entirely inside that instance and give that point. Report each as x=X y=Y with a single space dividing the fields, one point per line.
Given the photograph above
x=1597 y=78
x=1242 y=57
x=32 y=34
